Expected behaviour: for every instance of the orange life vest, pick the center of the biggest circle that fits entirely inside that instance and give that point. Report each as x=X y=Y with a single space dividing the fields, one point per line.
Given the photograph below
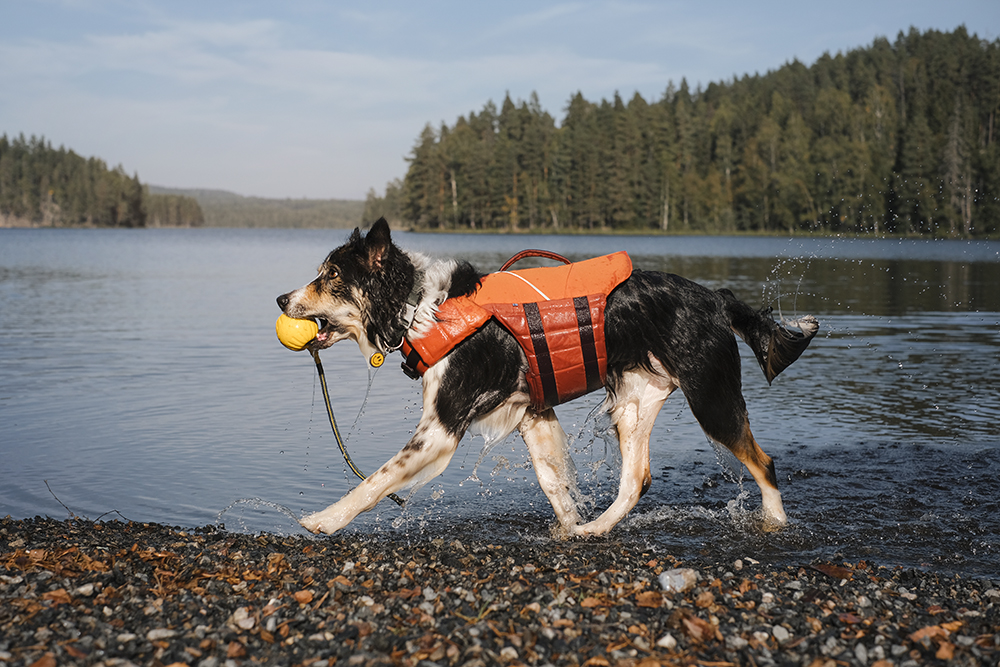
x=555 y=313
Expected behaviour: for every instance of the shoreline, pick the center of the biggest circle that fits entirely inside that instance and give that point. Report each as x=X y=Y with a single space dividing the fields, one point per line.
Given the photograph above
x=116 y=594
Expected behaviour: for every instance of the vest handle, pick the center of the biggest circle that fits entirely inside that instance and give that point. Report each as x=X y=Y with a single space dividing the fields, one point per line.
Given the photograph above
x=534 y=253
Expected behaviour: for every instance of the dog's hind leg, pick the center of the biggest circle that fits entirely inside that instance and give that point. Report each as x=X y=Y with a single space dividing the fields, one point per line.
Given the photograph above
x=761 y=467
x=638 y=399
x=721 y=410
x=549 y=449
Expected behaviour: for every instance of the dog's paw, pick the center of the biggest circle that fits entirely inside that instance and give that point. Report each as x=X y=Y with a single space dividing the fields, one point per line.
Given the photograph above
x=562 y=533
x=769 y=523
x=314 y=524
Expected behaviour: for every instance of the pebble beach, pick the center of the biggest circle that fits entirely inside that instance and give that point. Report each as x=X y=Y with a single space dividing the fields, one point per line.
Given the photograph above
x=77 y=592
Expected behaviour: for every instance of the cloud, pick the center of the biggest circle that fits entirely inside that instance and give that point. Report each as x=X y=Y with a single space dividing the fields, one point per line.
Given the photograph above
x=311 y=98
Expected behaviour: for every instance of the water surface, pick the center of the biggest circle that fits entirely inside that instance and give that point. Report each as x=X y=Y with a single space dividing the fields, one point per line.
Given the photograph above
x=140 y=378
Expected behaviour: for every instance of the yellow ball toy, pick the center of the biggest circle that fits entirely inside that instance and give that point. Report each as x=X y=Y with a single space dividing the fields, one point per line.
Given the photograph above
x=294 y=333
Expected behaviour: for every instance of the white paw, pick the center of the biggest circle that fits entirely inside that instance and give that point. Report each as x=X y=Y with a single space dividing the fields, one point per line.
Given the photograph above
x=314 y=524
x=773 y=522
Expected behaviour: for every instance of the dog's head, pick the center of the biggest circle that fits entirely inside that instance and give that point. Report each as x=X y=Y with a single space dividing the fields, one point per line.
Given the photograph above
x=359 y=293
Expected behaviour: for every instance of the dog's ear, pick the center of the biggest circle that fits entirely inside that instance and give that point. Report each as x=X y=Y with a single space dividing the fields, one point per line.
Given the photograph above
x=377 y=243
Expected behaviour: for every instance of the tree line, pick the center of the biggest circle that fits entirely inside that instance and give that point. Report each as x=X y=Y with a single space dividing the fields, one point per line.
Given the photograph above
x=894 y=138
x=40 y=185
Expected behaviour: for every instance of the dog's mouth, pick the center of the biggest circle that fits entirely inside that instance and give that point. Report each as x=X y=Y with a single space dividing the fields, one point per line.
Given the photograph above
x=327 y=335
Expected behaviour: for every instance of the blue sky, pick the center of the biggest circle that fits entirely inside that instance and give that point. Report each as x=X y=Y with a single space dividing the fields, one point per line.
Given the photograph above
x=303 y=98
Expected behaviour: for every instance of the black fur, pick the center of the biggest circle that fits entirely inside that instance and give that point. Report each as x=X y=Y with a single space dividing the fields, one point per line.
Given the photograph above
x=678 y=332
x=686 y=326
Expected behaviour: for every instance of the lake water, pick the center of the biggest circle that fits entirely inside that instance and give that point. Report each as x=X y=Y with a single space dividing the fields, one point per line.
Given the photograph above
x=140 y=378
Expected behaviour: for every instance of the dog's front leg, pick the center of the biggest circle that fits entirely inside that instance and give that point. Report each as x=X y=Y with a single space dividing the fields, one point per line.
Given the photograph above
x=425 y=456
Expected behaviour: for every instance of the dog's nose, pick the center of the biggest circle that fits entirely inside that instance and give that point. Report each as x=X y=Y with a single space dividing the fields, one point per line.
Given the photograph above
x=282 y=301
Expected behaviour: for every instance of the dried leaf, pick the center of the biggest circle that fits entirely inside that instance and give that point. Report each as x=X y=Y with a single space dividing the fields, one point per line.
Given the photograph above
x=705 y=599
x=235 y=650
x=58 y=596
x=834 y=571
x=303 y=597
x=698 y=629
x=534 y=607
x=953 y=625
x=590 y=602
x=930 y=631
x=946 y=651
x=649 y=599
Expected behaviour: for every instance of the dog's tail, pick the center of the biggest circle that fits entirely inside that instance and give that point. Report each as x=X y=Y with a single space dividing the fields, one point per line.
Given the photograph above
x=776 y=346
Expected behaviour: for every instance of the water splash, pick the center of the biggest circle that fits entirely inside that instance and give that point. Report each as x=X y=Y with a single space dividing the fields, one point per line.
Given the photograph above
x=260 y=507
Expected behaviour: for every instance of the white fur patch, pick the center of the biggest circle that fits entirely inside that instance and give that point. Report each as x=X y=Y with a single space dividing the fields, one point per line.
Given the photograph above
x=437 y=282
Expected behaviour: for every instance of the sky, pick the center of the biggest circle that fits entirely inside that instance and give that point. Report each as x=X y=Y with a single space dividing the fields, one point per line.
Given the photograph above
x=325 y=99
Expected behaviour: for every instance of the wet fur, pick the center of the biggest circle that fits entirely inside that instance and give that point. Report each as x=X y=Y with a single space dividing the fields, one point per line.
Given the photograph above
x=662 y=332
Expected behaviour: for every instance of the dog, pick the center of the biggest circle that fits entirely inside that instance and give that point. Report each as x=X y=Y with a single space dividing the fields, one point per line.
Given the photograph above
x=662 y=332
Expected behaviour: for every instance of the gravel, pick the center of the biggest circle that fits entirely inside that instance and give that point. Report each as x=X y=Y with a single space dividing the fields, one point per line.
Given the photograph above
x=117 y=594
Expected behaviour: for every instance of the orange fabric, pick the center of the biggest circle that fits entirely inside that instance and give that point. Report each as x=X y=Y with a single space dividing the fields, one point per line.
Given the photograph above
x=599 y=275
x=458 y=318
x=568 y=360
x=562 y=335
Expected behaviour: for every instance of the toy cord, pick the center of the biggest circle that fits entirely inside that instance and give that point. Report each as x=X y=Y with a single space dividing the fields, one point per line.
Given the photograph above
x=336 y=432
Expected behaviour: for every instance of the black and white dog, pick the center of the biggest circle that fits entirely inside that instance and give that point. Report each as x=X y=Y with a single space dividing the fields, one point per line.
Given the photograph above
x=662 y=333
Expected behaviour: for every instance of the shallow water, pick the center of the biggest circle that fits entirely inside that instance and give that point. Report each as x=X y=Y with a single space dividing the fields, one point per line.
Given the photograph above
x=140 y=378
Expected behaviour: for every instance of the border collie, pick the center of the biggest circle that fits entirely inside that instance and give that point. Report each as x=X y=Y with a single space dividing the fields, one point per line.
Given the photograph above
x=662 y=332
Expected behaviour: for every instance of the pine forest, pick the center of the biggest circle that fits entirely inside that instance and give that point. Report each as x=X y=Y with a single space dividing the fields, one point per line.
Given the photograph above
x=43 y=186
x=896 y=138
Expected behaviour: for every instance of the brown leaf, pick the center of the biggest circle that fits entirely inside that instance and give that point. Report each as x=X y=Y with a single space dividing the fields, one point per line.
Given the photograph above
x=589 y=602
x=303 y=597
x=74 y=652
x=705 y=599
x=930 y=631
x=946 y=651
x=235 y=650
x=47 y=660
x=649 y=599
x=953 y=625
x=698 y=629
x=58 y=596
x=834 y=571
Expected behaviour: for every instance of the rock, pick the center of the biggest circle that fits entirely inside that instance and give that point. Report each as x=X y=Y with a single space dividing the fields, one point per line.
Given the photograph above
x=678 y=580
x=420 y=602
x=84 y=591
x=781 y=634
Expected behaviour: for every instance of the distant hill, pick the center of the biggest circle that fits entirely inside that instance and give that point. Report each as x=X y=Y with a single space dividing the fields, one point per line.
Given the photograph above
x=228 y=209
